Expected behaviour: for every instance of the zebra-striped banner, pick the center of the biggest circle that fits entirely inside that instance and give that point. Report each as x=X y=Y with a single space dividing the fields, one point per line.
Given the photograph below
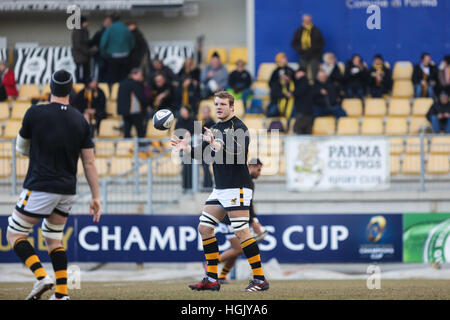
x=172 y=53
x=36 y=65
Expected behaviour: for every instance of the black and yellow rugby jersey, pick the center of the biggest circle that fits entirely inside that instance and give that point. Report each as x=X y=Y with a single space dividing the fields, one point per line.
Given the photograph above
x=230 y=163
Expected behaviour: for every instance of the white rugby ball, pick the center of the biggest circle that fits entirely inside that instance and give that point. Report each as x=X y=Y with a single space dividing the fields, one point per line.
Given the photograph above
x=163 y=119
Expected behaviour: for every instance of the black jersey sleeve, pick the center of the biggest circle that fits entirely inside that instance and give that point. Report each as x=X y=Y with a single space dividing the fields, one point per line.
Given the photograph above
x=87 y=142
x=25 y=130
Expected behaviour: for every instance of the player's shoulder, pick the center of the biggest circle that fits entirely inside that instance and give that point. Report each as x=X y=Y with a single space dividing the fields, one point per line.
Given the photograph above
x=239 y=124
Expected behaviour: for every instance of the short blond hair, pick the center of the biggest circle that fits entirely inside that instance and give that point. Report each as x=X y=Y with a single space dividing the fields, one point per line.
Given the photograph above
x=225 y=95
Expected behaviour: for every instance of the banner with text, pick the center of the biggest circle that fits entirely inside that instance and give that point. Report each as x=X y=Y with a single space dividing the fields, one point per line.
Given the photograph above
x=337 y=163
x=174 y=238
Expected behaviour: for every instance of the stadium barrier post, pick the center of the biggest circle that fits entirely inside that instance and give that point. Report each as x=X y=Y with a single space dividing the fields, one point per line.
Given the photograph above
x=422 y=162
x=195 y=165
x=13 y=168
x=104 y=192
x=149 y=186
x=136 y=165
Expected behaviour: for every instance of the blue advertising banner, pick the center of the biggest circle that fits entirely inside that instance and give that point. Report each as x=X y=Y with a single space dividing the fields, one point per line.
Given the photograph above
x=174 y=238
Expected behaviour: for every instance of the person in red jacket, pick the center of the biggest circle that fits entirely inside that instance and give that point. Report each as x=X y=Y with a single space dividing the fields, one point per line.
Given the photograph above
x=8 y=87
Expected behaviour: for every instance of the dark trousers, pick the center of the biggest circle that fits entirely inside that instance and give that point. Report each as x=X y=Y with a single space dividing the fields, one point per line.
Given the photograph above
x=118 y=69
x=311 y=65
x=137 y=120
x=186 y=172
x=82 y=72
x=207 y=178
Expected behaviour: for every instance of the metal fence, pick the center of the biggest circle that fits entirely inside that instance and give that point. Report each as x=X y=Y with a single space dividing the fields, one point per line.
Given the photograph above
x=142 y=176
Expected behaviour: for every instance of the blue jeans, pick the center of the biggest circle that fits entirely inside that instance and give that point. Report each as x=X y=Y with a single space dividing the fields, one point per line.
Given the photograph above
x=336 y=111
x=355 y=92
x=418 y=88
x=439 y=125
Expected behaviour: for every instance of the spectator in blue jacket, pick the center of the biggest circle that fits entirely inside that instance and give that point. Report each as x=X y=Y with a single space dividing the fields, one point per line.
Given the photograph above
x=116 y=44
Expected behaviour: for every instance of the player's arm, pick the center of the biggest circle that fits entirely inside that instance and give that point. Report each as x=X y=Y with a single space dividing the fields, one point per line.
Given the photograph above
x=90 y=171
x=23 y=141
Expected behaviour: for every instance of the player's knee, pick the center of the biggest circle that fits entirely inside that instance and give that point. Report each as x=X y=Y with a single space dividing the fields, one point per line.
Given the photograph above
x=53 y=243
x=243 y=234
x=207 y=223
x=52 y=232
x=17 y=228
x=205 y=230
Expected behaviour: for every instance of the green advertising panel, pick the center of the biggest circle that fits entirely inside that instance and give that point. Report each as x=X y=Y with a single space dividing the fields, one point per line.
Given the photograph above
x=426 y=237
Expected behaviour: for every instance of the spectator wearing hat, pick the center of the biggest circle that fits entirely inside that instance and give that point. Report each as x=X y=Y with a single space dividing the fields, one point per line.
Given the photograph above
x=81 y=51
x=282 y=87
x=308 y=42
x=356 y=77
x=239 y=82
x=91 y=102
x=304 y=110
x=214 y=77
x=380 y=78
x=116 y=44
x=439 y=114
x=8 y=87
x=425 y=77
x=444 y=75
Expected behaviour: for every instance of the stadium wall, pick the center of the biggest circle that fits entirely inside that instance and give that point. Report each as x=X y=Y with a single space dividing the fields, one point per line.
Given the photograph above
x=408 y=28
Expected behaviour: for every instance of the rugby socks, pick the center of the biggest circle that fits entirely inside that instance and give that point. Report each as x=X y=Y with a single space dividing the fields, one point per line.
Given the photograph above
x=59 y=262
x=251 y=251
x=224 y=272
x=26 y=252
x=211 y=249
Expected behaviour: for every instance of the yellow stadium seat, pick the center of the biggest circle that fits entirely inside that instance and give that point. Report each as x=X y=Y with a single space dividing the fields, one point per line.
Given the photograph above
x=102 y=166
x=78 y=87
x=4 y=111
x=11 y=129
x=239 y=109
x=438 y=164
x=222 y=52
x=255 y=123
x=413 y=145
x=396 y=126
x=165 y=167
x=411 y=164
x=347 y=126
x=399 y=108
x=282 y=171
x=114 y=91
x=5 y=168
x=396 y=145
x=238 y=53
x=109 y=128
x=372 y=126
x=104 y=149
x=261 y=89
x=421 y=106
x=440 y=145
x=230 y=67
x=105 y=88
x=125 y=149
x=111 y=109
x=418 y=124
x=353 y=107
x=46 y=90
x=324 y=126
x=21 y=167
x=153 y=133
x=402 y=89
x=265 y=71
x=120 y=166
x=19 y=109
x=6 y=149
x=402 y=70
x=394 y=165
x=28 y=92
x=375 y=107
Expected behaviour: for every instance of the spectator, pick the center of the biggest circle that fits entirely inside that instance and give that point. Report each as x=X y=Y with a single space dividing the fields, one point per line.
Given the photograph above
x=331 y=68
x=380 y=80
x=425 y=77
x=308 y=42
x=325 y=98
x=162 y=94
x=189 y=88
x=132 y=104
x=185 y=121
x=207 y=122
x=303 y=103
x=281 y=85
x=8 y=87
x=91 y=102
x=214 y=77
x=116 y=44
x=81 y=51
x=444 y=75
x=355 y=77
x=140 y=50
x=100 y=63
x=158 y=67
x=439 y=114
x=240 y=82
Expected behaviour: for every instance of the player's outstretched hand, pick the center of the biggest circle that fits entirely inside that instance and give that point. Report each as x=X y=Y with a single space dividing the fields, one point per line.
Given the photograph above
x=95 y=208
x=181 y=144
x=208 y=136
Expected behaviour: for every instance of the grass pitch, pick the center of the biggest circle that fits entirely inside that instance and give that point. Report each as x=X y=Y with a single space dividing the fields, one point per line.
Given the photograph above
x=279 y=290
